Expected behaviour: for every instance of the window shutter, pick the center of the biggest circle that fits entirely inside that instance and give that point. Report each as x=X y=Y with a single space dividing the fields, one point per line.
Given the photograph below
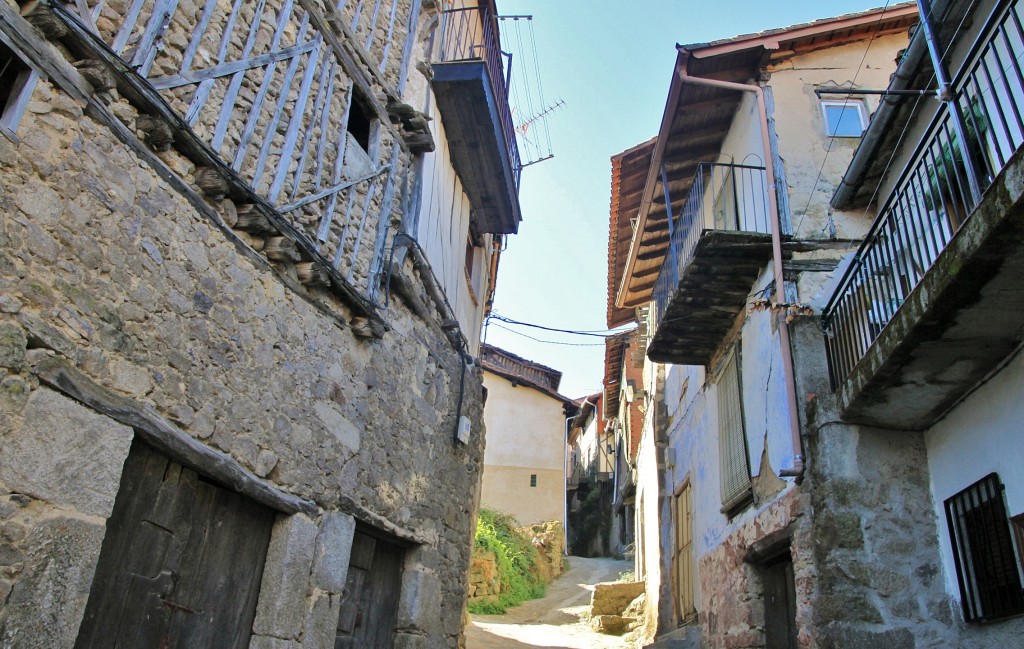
x=986 y=568
x=731 y=436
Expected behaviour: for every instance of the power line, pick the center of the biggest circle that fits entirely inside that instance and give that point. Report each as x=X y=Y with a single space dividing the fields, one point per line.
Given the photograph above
x=549 y=342
x=605 y=333
x=846 y=103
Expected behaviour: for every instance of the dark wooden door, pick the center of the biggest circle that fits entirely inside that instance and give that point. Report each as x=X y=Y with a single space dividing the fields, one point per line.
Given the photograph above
x=180 y=565
x=369 y=606
x=779 y=604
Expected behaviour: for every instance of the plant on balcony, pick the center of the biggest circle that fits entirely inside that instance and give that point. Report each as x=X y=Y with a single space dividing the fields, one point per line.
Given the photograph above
x=940 y=195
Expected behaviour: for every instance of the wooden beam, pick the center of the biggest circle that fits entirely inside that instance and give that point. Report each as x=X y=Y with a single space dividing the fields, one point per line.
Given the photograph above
x=167 y=438
x=188 y=143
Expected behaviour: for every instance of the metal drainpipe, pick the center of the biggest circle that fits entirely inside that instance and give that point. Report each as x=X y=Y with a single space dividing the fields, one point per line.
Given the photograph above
x=565 y=492
x=797 y=469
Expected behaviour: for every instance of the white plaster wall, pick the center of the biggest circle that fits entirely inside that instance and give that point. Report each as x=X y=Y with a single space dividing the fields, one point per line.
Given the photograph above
x=525 y=430
x=981 y=435
x=815 y=163
x=593 y=448
x=443 y=227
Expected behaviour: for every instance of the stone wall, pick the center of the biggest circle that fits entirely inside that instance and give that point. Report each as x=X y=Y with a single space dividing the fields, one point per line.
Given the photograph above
x=108 y=268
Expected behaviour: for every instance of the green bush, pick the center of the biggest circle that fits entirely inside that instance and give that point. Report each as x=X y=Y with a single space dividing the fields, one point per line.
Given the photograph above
x=517 y=562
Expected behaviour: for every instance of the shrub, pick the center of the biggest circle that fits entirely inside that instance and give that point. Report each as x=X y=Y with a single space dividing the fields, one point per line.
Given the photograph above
x=517 y=561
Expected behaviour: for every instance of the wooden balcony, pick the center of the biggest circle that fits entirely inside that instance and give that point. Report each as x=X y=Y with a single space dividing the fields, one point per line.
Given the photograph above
x=471 y=89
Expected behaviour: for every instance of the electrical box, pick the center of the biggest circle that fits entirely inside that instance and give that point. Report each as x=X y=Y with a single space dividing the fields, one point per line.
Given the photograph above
x=465 y=428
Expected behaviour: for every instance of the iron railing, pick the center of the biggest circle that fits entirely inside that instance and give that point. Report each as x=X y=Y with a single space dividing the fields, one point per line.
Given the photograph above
x=722 y=197
x=932 y=199
x=471 y=34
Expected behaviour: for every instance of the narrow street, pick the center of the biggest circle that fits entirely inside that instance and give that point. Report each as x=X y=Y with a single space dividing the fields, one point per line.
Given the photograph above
x=559 y=620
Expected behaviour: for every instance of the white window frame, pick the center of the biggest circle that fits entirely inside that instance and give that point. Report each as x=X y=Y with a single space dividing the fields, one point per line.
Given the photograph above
x=847 y=105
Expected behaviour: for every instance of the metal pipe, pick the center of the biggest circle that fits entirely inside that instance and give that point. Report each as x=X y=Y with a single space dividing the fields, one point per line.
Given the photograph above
x=948 y=96
x=797 y=469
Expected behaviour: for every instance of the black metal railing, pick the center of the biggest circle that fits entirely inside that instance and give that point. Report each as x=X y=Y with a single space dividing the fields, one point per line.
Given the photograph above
x=722 y=197
x=471 y=34
x=933 y=197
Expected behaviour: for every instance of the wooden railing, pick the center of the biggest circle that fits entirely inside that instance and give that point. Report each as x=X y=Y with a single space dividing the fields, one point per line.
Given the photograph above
x=281 y=92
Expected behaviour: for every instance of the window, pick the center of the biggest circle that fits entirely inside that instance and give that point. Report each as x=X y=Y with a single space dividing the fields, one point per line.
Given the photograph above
x=986 y=567
x=361 y=122
x=846 y=118
x=533 y=479
x=732 y=438
x=682 y=555
x=17 y=81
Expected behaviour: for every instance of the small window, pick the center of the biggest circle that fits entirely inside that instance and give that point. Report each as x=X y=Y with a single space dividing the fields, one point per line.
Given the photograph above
x=847 y=118
x=361 y=122
x=986 y=566
x=732 y=437
x=533 y=479
x=17 y=80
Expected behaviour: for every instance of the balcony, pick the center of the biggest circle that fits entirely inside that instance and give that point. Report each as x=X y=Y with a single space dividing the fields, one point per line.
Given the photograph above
x=718 y=243
x=471 y=79
x=930 y=306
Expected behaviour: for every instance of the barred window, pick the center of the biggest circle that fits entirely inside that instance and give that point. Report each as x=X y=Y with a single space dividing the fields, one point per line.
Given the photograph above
x=732 y=437
x=986 y=566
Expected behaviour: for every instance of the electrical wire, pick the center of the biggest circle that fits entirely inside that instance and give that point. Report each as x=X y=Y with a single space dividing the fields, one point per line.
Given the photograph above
x=550 y=342
x=605 y=333
x=831 y=141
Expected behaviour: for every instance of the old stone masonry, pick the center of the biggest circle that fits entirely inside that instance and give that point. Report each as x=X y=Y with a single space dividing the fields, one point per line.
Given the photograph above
x=220 y=424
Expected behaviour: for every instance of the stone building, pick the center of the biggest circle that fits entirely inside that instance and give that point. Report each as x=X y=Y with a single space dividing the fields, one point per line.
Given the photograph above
x=239 y=398
x=525 y=417
x=765 y=516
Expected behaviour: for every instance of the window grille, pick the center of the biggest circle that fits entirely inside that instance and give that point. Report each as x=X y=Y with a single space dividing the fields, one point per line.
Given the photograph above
x=986 y=567
x=732 y=438
x=533 y=479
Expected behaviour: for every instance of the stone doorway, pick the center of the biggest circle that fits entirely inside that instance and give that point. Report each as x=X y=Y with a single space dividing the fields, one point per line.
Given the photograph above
x=181 y=562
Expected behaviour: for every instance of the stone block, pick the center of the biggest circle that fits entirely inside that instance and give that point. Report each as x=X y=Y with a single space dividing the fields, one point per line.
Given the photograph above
x=420 y=599
x=281 y=610
x=839 y=530
x=321 y=621
x=410 y=641
x=268 y=642
x=66 y=454
x=612 y=598
x=842 y=636
x=332 y=551
x=12 y=345
x=611 y=624
x=46 y=605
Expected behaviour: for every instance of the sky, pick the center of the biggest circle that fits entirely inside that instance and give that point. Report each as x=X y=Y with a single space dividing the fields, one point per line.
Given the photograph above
x=610 y=63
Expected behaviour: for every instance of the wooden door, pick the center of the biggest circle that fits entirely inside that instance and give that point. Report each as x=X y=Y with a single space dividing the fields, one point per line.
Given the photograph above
x=181 y=562
x=682 y=558
x=779 y=604
x=369 y=608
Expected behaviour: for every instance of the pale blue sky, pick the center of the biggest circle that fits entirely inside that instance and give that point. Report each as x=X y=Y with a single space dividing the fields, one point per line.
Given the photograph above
x=611 y=62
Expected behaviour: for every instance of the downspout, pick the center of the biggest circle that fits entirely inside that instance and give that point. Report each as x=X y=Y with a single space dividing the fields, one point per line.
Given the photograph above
x=797 y=470
x=565 y=492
